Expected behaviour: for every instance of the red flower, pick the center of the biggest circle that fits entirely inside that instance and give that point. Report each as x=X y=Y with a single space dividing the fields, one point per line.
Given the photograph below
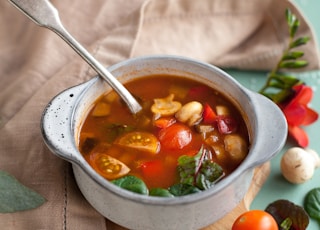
x=299 y=114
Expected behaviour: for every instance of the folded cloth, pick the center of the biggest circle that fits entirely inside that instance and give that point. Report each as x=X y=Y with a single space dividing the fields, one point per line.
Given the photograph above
x=36 y=65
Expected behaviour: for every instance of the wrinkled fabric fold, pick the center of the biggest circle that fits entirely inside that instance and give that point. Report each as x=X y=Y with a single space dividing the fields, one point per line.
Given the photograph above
x=36 y=65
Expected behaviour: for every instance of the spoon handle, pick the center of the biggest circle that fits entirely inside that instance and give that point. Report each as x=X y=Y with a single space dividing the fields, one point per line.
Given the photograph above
x=44 y=14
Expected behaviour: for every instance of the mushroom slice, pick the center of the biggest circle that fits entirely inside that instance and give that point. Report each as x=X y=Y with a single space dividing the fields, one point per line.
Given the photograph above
x=165 y=106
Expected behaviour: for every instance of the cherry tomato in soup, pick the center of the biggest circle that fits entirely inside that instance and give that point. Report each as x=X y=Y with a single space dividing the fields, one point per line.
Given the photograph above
x=139 y=140
x=255 y=220
x=176 y=136
x=108 y=167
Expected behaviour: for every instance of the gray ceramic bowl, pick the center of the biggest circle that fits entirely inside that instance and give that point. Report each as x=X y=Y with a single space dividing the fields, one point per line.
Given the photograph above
x=65 y=113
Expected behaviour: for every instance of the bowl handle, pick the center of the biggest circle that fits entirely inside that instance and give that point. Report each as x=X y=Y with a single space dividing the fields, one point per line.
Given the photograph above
x=272 y=132
x=56 y=123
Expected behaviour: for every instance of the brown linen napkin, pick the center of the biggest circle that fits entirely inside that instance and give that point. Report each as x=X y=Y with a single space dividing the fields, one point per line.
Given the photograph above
x=36 y=65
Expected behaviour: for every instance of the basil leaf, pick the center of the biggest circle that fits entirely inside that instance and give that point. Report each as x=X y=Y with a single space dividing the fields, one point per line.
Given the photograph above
x=16 y=197
x=187 y=167
x=312 y=203
x=183 y=189
x=132 y=183
x=160 y=192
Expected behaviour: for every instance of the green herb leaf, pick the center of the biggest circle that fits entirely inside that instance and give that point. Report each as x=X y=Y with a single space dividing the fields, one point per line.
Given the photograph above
x=286 y=224
x=199 y=171
x=299 y=42
x=290 y=17
x=289 y=81
x=278 y=86
x=16 y=197
x=187 y=167
x=294 y=27
x=209 y=173
x=160 y=192
x=183 y=189
x=293 y=64
x=312 y=203
x=132 y=183
x=292 y=55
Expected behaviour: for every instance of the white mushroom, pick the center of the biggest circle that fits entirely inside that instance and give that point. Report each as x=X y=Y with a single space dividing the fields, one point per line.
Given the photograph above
x=236 y=146
x=190 y=113
x=298 y=165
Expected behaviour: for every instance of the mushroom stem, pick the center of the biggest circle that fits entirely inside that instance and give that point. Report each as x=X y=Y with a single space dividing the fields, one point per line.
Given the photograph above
x=316 y=157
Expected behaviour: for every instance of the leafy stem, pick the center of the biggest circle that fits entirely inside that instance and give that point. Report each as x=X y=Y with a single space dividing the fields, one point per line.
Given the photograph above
x=279 y=84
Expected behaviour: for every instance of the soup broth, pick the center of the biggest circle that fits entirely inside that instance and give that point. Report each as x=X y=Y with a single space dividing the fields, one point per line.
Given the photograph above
x=180 y=118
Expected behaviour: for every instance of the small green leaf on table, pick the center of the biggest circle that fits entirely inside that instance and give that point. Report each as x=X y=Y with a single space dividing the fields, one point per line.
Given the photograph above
x=312 y=203
x=15 y=197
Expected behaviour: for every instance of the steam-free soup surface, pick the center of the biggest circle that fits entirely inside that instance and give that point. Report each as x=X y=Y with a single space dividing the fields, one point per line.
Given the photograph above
x=183 y=122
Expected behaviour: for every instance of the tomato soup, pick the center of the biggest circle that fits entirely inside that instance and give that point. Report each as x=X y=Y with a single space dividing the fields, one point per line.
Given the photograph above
x=186 y=133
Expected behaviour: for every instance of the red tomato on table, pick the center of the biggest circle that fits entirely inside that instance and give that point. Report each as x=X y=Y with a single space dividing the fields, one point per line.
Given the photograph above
x=255 y=220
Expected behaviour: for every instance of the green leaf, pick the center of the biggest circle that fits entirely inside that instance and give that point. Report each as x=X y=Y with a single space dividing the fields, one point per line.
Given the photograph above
x=160 y=192
x=289 y=81
x=312 y=203
x=283 y=81
x=16 y=197
x=198 y=170
x=132 y=183
x=293 y=64
x=290 y=17
x=294 y=27
x=209 y=173
x=286 y=224
x=183 y=189
x=299 y=42
x=187 y=167
x=292 y=55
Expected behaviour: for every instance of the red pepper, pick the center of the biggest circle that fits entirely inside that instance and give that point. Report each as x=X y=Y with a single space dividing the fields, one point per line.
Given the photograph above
x=208 y=115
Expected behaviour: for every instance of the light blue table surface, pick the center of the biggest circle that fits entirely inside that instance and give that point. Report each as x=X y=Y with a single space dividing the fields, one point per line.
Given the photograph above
x=276 y=187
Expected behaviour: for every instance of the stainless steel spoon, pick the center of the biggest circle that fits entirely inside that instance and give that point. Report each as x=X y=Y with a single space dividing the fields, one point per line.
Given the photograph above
x=44 y=14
